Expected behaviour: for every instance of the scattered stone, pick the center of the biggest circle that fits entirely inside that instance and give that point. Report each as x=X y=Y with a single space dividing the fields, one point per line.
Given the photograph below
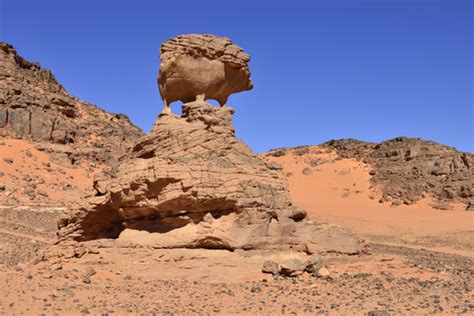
x=307 y=171
x=277 y=153
x=323 y=272
x=87 y=279
x=56 y=266
x=292 y=268
x=270 y=267
x=470 y=207
x=3 y=187
x=42 y=193
x=8 y=160
x=378 y=313
x=256 y=289
x=314 y=263
x=29 y=191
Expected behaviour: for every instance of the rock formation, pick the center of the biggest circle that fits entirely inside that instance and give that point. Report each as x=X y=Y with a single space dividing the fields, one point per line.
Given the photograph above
x=191 y=183
x=197 y=66
x=33 y=105
x=408 y=169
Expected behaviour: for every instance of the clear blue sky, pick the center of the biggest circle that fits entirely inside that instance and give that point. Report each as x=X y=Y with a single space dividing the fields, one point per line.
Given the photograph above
x=370 y=70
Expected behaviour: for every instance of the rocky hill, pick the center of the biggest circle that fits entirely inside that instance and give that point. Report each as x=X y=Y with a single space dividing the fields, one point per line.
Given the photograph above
x=74 y=134
x=406 y=170
x=34 y=105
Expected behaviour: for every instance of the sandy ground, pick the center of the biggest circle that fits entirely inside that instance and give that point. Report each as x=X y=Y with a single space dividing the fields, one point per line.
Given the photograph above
x=32 y=177
x=339 y=192
x=421 y=260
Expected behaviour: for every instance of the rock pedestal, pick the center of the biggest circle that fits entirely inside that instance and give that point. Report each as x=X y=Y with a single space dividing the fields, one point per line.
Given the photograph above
x=191 y=183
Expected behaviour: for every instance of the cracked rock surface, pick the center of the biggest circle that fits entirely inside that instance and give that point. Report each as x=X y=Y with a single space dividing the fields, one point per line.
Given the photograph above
x=202 y=64
x=192 y=184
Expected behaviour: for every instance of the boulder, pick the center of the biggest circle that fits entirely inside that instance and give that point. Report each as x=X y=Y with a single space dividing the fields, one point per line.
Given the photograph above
x=270 y=267
x=204 y=66
x=292 y=268
x=314 y=263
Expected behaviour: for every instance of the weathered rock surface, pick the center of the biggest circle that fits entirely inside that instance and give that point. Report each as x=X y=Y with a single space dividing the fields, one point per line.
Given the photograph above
x=191 y=183
x=202 y=65
x=35 y=106
x=409 y=169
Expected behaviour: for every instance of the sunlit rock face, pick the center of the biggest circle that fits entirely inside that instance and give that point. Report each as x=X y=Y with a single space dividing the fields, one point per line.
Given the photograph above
x=191 y=183
x=202 y=66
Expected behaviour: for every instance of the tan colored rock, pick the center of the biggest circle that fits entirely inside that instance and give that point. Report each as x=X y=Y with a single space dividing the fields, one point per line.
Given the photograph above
x=34 y=106
x=201 y=66
x=324 y=273
x=192 y=184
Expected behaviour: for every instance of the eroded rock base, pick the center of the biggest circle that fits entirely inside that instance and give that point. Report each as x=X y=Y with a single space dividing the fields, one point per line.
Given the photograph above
x=192 y=184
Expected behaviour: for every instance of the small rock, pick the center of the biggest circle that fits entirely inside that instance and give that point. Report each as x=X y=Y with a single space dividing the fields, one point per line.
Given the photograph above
x=323 y=272
x=8 y=160
x=27 y=178
x=274 y=166
x=256 y=289
x=56 y=266
x=30 y=192
x=377 y=313
x=470 y=207
x=270 y=267
x=314 y=263
x=43 y=193
x=292 y=268
x=89 y=273
x=3 y=187
x=307 y=171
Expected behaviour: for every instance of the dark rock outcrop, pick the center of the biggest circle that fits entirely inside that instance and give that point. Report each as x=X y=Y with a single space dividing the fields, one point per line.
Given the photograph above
x=35 y=106
x=408 y=169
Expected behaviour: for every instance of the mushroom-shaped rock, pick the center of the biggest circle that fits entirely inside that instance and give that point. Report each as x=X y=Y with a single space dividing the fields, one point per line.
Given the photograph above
x=200 y=67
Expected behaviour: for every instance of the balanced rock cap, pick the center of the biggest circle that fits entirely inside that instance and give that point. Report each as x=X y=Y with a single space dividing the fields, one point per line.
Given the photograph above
x=200 y=67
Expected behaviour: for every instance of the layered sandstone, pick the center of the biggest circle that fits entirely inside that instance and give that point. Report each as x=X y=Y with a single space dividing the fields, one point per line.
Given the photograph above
x=34 y=106
x=204 y=66
x=191 y=183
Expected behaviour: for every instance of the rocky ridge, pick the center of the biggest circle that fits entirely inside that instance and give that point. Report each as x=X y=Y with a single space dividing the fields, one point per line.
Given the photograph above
x=406 y=170
x=33 y=105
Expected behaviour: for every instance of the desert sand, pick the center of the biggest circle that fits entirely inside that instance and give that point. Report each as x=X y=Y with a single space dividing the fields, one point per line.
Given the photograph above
x=420 y=261
x=339 y=191
x=96 y=217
